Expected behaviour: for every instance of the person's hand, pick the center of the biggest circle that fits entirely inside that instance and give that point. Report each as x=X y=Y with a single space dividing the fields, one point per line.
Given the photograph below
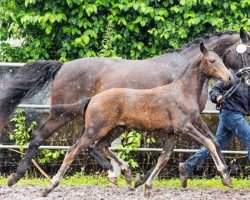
x=219 y=99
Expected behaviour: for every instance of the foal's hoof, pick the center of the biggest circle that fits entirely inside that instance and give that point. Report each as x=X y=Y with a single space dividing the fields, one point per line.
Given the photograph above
x=12 y=179
x=138 y=182
x=45 y=193
x=227 y=182
x=112 y=180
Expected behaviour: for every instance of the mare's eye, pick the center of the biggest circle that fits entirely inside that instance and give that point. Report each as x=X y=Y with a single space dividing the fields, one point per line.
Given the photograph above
x=212 y=61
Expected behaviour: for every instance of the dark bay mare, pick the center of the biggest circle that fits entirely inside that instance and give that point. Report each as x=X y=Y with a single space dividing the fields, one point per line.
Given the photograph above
x=86 y=77
x=173 y=109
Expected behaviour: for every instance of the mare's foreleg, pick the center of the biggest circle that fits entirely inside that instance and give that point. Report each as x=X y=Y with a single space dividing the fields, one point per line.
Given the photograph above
x=55 y=120
x=207 y=139
x=169 y=145
x=143 y=178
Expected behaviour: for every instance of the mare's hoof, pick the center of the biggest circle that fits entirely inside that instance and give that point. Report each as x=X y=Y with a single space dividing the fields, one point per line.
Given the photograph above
x=128 y=176
x=12 y=179
x=138 y=182
x=183 y=175
x=112 y=180
x=147 y=191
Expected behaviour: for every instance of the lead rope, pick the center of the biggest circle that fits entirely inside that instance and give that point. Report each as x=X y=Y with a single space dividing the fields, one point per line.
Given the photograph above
x=228 y=93
x=231 y=90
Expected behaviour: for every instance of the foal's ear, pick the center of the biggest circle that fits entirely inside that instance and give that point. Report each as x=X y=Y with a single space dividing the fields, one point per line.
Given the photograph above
x=243 y=35
x=203 y=48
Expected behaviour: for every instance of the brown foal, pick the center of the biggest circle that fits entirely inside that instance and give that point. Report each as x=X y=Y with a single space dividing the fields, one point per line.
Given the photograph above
x=171 y=108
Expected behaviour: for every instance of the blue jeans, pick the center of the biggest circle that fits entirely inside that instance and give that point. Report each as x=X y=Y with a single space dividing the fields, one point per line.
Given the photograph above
x=230 y=123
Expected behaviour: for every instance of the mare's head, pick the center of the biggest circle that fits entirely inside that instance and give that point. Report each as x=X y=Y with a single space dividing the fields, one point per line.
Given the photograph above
x=212 y=66
x=237 y=55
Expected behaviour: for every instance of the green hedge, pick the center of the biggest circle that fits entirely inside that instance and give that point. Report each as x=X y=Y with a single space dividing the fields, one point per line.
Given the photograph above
x=70 y=29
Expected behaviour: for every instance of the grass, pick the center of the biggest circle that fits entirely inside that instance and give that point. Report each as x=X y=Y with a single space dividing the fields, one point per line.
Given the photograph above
x=102 y=181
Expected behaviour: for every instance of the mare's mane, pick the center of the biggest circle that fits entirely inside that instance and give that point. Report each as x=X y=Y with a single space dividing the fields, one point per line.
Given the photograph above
x=200 y=39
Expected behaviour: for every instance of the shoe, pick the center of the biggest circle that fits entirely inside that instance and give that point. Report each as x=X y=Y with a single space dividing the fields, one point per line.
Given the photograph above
x=183 y=174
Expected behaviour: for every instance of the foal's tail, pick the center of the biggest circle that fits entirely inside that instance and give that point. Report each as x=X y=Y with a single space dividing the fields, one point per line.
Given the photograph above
x=70 y=111
x=30 y=79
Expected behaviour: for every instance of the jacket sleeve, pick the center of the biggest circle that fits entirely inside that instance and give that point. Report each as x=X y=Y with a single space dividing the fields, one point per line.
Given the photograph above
x=220 y=88
x=217 y=90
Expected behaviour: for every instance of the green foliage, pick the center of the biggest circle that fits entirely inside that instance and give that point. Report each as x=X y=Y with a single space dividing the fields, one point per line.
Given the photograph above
x=47 y=155
x=107 y=42
x=132 y=140
x=21 y=134
x=69 y=29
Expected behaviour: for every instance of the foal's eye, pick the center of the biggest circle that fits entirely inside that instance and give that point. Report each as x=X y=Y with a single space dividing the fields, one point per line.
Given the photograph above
x=212 y=61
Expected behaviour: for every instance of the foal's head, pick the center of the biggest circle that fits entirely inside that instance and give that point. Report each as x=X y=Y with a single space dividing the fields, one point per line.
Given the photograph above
x=213 y=67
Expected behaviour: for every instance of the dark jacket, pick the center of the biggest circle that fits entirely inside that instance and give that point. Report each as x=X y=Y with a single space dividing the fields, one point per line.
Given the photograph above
x=239 y=101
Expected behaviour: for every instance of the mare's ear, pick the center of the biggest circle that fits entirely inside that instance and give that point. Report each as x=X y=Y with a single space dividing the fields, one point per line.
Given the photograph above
x=243 y=35
x=203 y=48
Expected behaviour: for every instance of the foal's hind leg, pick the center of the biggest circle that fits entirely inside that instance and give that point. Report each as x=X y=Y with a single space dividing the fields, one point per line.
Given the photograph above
x=87 y=139
x=122 y=164
x=103 y=145
x=161 y=162
x=55 y=120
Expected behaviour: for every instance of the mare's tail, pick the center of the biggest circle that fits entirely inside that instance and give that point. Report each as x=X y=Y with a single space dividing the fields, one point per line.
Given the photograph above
x=30 y=79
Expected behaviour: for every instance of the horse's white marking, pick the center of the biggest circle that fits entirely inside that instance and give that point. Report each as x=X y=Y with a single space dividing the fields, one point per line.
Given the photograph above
x=241 y=48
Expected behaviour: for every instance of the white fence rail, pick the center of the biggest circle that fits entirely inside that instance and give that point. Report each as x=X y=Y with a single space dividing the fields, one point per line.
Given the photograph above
x=116 y=149
x=7 y=64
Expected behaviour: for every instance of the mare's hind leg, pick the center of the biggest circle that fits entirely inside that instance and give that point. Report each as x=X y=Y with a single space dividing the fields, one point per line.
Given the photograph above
x=56 y=119
x=3 y=123
x=103 y=146
x=87 y=139
x=161 y=162
x=212 y=146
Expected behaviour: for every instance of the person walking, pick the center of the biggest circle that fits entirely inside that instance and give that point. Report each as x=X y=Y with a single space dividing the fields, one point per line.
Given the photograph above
x=232 y=122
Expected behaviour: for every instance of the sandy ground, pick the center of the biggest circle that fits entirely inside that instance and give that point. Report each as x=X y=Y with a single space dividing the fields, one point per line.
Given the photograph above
x=119 y=193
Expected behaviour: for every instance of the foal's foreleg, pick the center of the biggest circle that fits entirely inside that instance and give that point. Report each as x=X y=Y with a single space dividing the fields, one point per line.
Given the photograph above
x=210 y=143
x=161 y=162
x=55 y=120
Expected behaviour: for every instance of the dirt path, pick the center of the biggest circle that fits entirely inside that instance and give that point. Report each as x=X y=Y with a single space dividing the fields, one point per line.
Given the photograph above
x=119 y=193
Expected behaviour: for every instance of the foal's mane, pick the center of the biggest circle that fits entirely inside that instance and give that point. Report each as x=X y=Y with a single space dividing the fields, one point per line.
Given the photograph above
x=195 y=58
x=200 y=39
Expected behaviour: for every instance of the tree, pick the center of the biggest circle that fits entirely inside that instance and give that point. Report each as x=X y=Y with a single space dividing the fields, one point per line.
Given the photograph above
x=70 y=29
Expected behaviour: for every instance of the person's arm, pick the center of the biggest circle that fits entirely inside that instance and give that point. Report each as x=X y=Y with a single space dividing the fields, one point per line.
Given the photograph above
x=217 y=91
